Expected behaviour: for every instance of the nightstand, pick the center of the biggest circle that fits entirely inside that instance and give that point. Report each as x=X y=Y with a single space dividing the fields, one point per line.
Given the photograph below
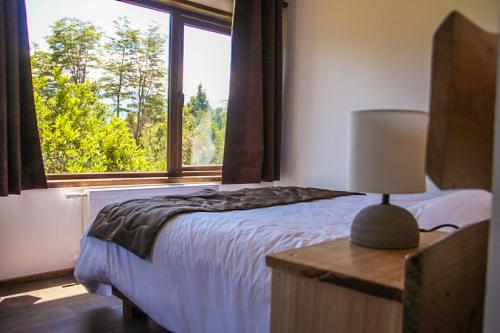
x=338 y=286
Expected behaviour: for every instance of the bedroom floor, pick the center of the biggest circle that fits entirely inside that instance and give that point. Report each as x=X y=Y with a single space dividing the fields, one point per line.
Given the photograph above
x=61 y=305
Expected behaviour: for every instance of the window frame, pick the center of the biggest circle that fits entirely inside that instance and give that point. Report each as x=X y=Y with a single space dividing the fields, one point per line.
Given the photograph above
x=176 y=172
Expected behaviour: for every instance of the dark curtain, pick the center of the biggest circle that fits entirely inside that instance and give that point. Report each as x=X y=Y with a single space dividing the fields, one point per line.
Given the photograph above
x=253 y=132
x=21 y=164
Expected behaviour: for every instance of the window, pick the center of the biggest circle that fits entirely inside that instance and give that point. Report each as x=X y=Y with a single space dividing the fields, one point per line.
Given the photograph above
x=122 y=90
x=206 y=84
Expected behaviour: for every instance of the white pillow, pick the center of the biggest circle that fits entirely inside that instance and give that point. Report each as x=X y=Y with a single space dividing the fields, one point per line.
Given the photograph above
x=459 y=208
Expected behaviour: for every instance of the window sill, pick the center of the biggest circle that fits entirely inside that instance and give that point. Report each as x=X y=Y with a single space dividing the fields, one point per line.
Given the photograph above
x=131 y=181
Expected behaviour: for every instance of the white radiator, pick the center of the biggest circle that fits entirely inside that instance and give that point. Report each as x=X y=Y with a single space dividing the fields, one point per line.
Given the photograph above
x=96 y=199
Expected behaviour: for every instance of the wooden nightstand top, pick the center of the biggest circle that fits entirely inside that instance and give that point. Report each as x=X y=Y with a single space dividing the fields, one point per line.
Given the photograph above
x=373 y=271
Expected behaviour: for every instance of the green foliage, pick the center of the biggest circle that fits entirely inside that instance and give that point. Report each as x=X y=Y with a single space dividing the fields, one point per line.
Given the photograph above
x=75 y=134
x=136 y=77
x=42 y=67
x=199 y=103
x=118 y=121
x=74 y=47
x=155 y=146
x=148 y=79
x=188 y=131
x=219 y=133
x=203 y=146
x=203 y=131
x=119 y=64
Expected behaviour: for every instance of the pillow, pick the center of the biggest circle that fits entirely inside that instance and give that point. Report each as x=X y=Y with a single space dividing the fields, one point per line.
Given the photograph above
x=459 y=208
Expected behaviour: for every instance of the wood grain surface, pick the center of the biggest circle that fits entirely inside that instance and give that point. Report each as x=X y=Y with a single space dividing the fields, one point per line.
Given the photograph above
x=373 y=271
x=460 y=139
x=445 y=283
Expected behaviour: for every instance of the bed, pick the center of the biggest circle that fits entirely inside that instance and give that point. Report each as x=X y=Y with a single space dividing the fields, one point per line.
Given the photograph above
x=207 y=272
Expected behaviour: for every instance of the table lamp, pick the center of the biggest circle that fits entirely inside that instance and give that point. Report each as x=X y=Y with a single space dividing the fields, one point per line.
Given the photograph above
x=387 y=157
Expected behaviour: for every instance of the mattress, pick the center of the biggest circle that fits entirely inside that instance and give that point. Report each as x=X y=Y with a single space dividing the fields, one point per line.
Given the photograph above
x=207 y=271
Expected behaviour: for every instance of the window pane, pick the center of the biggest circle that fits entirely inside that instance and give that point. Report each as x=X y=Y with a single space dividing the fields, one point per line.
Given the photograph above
x=206 y=89
x=100 y=83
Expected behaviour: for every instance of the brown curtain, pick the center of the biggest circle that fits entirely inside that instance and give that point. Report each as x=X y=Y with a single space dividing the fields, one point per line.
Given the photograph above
x=21 y=164
x=253 y=133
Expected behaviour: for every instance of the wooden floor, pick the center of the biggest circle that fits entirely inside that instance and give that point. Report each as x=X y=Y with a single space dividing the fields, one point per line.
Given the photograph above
x=61 y=305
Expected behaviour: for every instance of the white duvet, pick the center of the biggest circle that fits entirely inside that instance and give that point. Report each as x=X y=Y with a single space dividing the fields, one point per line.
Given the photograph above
x=207 y=271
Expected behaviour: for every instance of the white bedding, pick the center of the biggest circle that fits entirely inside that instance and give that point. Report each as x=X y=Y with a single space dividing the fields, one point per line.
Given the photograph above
x=207 y=271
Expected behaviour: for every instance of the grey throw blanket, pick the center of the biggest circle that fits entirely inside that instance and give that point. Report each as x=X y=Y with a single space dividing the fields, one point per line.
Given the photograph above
x=134 y=223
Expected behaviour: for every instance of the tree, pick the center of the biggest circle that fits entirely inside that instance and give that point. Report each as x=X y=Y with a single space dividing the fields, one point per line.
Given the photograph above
x=119 y=65
x=199 y=103
x=218 y=133
x=203 y=145
x=74 y=47
x=79 y=131
x=42 y=67
x=148 y=80
x=188 y=132
x=74 y=131
x=203 y=130
x=117 y=122
x=193 y=113
x=136 y=82
x=154 y=142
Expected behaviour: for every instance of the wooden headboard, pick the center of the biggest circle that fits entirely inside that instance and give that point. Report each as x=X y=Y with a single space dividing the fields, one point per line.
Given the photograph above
x=460 y=138
x=444 y=283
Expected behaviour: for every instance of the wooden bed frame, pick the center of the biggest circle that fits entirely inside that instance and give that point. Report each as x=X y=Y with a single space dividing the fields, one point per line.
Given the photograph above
x=130 y=310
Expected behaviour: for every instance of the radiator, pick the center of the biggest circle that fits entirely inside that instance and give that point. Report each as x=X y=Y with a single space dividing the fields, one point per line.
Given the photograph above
x=96 y=199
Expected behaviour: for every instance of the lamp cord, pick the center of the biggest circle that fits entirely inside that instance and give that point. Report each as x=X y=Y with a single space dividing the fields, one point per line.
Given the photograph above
x=439 y=227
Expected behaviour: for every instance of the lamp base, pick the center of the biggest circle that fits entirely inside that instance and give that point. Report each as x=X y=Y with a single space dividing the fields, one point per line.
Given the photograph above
x=385 y=226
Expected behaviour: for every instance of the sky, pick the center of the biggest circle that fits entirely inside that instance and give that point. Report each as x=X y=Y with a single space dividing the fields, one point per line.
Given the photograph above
x=206 y=54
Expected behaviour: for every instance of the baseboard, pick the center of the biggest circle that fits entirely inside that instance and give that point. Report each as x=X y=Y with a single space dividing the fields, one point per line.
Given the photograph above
x=37 y=277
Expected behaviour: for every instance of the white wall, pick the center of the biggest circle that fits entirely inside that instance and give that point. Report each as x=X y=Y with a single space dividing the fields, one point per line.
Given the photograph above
x=40 y=231
x=492 y=317
x=346 y=55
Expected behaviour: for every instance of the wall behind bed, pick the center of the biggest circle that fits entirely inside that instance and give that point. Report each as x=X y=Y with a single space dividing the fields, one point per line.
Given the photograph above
x=347 y=55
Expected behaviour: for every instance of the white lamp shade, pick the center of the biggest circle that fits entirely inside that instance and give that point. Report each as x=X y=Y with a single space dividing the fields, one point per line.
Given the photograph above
x=388 y=151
